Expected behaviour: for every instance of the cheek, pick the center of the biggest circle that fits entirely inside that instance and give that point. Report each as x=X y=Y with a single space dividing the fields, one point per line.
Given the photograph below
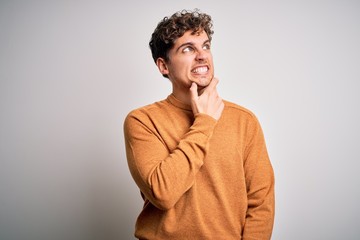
x=183 y=67
x=210 y=59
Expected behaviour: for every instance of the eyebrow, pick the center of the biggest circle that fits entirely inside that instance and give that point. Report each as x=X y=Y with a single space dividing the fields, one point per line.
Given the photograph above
x=191 y=44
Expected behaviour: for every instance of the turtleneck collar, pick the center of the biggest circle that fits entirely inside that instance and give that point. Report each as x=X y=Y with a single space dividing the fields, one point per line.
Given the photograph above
x=177 y=103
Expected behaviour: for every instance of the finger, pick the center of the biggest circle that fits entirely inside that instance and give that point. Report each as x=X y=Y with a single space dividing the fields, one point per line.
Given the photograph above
x=193 y=91
x=212 y=84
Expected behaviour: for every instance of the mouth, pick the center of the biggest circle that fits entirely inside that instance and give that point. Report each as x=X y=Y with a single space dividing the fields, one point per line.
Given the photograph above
x=200 y=70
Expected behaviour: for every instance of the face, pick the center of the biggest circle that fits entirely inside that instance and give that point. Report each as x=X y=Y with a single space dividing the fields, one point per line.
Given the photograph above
x=190 y=60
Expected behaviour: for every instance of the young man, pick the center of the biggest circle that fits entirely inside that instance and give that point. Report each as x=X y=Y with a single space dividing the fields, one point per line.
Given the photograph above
x=200 y=162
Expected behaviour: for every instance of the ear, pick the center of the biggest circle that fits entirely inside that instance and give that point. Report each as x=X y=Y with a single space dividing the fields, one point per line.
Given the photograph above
x=162 y=66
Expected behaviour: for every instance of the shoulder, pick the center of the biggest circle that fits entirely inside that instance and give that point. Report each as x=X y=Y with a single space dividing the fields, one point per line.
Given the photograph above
x=147 y=109
x=241 y=116
x=146 y=114
x=239 y=111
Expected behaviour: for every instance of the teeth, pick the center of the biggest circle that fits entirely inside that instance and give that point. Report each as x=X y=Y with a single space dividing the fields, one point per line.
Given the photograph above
x=200 y=70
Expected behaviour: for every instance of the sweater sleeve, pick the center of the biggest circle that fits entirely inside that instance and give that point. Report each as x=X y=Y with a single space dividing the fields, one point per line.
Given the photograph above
x=163 y=176
x=260 y=187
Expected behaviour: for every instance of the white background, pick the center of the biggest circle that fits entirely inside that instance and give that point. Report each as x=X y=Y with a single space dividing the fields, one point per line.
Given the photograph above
x=70 y=71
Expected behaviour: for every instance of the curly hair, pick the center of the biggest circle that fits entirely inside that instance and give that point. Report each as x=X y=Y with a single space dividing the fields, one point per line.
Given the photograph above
x=172 y=28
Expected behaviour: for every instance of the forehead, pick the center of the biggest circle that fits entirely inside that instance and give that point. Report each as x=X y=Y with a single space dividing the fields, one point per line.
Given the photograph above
x=190 y=37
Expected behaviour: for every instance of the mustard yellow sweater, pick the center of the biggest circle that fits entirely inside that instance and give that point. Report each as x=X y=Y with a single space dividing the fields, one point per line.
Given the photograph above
x=200 y=178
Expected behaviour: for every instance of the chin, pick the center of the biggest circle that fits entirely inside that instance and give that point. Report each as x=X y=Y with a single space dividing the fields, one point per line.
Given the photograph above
x=201 y=86
x=204 y=82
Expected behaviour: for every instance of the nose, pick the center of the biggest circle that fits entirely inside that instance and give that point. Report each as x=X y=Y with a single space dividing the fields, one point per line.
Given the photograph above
x=201 y=55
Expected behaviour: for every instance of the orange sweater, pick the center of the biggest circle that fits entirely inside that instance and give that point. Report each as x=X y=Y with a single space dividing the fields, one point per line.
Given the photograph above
x=200 y=178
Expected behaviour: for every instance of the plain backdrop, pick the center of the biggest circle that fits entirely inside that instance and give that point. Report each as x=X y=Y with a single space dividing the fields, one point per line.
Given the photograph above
x=70 y=71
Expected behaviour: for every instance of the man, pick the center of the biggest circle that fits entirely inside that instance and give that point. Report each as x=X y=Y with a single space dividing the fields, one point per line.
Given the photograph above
x=200 y=162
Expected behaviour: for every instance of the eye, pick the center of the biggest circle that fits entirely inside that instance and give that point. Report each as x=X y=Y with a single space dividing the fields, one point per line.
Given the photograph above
x=206 y=47
x=187 y=49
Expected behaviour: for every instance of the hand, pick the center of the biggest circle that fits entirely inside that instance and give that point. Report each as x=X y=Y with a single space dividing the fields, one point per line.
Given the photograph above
x=208 y=102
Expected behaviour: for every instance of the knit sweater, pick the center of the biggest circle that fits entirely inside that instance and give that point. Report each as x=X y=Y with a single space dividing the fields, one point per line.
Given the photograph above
x=200 y=178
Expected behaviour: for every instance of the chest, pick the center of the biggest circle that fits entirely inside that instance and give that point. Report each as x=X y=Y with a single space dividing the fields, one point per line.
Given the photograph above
x=226 y=145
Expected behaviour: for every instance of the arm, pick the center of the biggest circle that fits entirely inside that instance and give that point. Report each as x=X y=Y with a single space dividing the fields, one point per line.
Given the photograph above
x=163 y=176
x=260 y=188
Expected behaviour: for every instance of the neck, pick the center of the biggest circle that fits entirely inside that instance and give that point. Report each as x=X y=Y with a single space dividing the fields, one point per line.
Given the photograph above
x=182 y=96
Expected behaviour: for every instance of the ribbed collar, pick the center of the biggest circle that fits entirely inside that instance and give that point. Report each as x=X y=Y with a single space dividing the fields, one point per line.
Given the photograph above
x=177 y=103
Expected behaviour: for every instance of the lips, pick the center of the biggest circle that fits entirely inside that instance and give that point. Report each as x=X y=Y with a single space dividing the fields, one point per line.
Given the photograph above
x=200 y=69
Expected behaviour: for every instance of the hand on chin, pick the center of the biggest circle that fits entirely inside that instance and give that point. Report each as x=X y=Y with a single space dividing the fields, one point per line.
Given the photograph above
x=202 y=84
x=203 y=81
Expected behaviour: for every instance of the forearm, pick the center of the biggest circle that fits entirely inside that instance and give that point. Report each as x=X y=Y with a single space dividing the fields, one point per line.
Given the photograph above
x=260 y=215
x=261 y=202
